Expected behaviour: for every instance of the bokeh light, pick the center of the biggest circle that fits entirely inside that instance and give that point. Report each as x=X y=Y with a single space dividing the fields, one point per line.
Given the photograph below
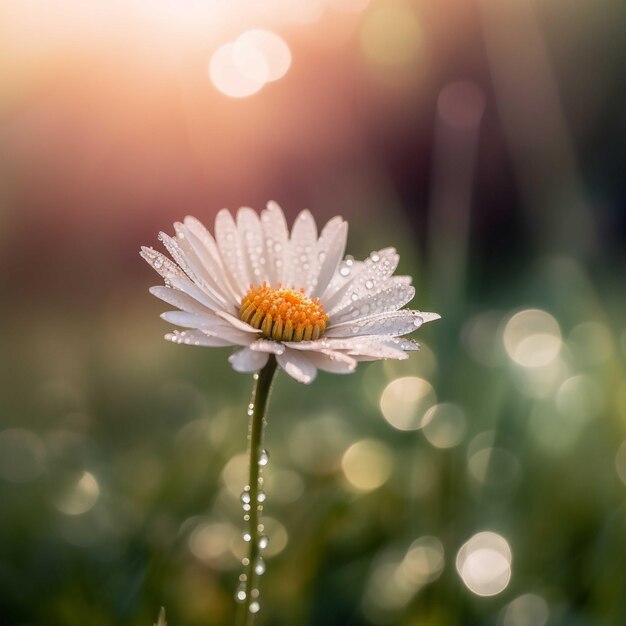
x=241 y=68
x=80 y=496
x=444 y=425
x=405 y=400
x=528 y=609
x=367 y=464
x=484 y=564
x=424 y=560
x=532 y=338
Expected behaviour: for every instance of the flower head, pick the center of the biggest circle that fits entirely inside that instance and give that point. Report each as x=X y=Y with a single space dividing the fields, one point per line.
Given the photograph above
x=257 y=286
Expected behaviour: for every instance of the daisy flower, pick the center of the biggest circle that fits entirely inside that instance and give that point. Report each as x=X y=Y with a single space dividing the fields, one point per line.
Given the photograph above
x=287 y=299
x=266 y=290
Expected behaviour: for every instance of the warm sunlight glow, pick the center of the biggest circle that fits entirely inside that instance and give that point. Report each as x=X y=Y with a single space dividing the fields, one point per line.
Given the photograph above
x=241 y=68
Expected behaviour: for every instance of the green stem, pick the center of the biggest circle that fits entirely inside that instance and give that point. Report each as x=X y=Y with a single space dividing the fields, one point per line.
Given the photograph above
x=255 y=433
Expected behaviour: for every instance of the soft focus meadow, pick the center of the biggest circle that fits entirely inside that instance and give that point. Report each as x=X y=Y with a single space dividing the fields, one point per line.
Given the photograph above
x=480 y=482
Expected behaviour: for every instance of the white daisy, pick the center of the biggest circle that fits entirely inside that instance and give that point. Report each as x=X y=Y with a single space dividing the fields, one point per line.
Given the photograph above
x=294 y=295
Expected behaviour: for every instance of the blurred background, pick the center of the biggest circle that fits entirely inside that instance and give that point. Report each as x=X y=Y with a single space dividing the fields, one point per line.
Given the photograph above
x=480 y=482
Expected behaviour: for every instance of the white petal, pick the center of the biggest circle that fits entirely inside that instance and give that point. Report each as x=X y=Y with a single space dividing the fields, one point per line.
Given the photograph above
x=297 y=366
x=377 y=269
x=276 y=243
x=197 y=338
x=404 y=343
x=404 y=280
x=394 y=324
x=253 y=243
x=330 y=252
x=374 y=346
x=204 y=265
x=182 y=283
x=165 y=267
x=390 y=298
x=227 y=237
x=332 y=361
x=206 y=249
x=187 y=264
x=303 y=261
x=247 y=360
x=211 y=325
x=233 y=335
x=237 y=323
x=265 y=345
x=178 y=299
x=429 y=317
x=192 y=320
x=345 y=272
x=375 y=351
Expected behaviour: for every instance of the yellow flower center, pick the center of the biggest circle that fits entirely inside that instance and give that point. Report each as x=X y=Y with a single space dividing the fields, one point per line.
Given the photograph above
x=283 y=314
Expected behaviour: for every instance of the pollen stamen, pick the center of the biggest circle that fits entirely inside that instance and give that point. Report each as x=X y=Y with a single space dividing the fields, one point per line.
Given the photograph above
x=283 y=314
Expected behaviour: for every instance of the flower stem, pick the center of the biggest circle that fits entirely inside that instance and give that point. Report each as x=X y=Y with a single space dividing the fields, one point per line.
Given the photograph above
x=250 y=496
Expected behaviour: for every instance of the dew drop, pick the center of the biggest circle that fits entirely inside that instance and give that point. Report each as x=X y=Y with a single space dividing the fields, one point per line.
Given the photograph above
x=344 y=271
x=261 y=496
x=254 y=593
x=247 y=537
x=246 y=507
x=259 y=566
x=255 y=607
x=263 y=542
x=264 y=458
x=375 y=257
x=240 y=594
x=245 y=496
x=369 y=284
